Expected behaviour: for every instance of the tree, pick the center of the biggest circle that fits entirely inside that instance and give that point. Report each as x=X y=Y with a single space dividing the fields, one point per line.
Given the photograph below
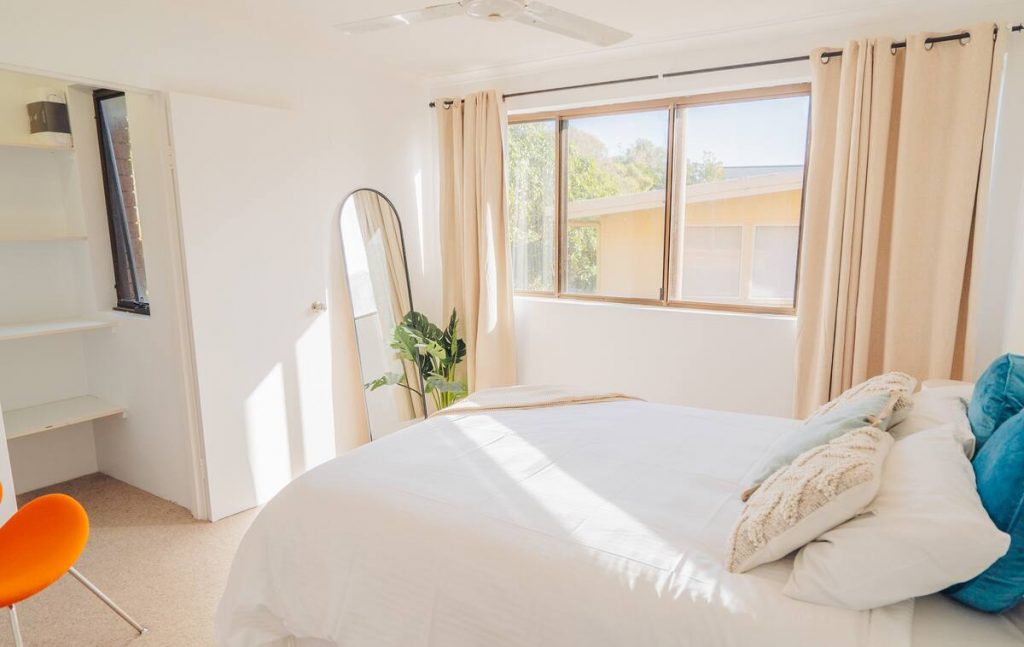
x=708 y=169
x=582 y=244
x=592 y=173
x=531 y=186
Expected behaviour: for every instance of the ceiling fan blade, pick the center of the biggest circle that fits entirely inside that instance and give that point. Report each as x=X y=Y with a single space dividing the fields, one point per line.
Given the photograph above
x=403 y=19
x=561 y=22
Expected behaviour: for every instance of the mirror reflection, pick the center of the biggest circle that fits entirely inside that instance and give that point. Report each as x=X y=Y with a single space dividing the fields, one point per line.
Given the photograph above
x=378 y=281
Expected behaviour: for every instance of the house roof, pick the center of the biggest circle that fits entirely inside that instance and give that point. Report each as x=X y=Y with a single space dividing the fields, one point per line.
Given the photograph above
x=737 y=187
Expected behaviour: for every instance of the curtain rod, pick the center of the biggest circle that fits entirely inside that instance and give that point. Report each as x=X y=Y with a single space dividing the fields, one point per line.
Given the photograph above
x=825 y=56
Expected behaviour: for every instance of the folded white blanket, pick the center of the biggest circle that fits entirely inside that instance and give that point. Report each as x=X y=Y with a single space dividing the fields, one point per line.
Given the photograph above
x=529 y=397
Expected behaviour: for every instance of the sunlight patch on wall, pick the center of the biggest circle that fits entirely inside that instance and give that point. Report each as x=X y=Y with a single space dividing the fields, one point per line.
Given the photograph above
x=266 y=430
x=313 y=362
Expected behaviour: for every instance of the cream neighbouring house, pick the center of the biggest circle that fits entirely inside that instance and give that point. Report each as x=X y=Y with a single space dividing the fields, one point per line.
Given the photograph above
x=738 y=235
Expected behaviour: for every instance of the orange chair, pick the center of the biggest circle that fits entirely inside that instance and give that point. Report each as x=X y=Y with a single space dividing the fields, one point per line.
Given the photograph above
x=38 y=545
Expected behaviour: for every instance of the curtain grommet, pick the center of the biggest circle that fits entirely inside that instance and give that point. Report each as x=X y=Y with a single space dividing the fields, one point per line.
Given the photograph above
x=966 y=39
x=825 y=58
x=928 y=45
x=893 y=49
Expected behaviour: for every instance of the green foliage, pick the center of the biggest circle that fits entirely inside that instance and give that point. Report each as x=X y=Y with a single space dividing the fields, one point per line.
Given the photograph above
x=592 y=173
x=707 y=169
x=436 y=353
x=531 y=191
x=582 y=245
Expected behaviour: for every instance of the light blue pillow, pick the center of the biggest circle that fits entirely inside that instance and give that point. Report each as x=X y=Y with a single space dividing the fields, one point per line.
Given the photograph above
x=999 y=470
x=819 y=430
x=998 y=395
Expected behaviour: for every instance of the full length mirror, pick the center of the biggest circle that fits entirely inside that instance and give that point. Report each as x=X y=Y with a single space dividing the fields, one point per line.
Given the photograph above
x=378 y=282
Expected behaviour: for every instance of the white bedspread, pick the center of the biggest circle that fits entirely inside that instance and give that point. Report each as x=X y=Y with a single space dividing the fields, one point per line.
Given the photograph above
x=591 y=525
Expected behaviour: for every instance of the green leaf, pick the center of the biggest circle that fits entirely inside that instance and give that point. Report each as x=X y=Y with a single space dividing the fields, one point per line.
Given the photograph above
x=419 y=324
x=387 y=379
x=437 y=383
x=455 y=348
x=404 y=342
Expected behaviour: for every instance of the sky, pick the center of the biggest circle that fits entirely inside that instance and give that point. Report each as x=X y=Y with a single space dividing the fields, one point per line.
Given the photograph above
x=751 y=133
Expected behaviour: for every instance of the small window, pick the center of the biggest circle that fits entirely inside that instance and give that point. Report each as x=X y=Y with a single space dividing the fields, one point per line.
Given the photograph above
x=122 y=205
x=712 y=258
x=774 y=263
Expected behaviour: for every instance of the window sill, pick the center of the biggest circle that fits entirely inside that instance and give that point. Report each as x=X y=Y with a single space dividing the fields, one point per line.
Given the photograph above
x=710 y=310
x=134 y=310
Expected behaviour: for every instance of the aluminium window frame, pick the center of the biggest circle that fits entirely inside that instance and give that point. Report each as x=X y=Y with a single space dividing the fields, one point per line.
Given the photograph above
x=671 y=104
x=114 y=202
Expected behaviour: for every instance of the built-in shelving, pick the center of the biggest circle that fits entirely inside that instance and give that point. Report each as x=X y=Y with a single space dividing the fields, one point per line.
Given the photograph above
x=39 y=238
x=60 y=148
x=43 y=328
x=54 y=415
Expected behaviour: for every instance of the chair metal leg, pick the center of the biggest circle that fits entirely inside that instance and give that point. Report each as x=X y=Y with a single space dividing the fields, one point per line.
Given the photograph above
x=110 y=603
x=14 y=626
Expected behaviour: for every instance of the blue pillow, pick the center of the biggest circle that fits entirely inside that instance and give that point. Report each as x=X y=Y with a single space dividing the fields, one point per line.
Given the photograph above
x=819 y=430
x=999 y=469
x=998 y=394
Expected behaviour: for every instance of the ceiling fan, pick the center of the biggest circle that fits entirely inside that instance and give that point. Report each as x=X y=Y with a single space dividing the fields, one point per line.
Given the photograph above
x=535 y=14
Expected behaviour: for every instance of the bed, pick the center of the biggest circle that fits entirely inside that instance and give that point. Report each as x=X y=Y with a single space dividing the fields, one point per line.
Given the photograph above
x=593 y=524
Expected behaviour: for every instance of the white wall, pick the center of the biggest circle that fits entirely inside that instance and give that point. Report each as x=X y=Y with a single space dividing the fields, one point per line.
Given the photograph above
x=362 y=126
x=1000 y=298
x=728 y=361
x=716 y=360
x=141 y=365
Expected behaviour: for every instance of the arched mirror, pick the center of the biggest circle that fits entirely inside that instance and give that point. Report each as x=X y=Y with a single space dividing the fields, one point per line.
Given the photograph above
x=378 y=282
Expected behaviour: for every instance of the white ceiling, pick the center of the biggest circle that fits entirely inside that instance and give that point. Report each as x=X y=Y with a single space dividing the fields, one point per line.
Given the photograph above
x=461 y=44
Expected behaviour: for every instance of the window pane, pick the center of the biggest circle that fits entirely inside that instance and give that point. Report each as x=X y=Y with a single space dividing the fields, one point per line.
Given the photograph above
x=122 y=205
x=616 y=204
x=711 y=262
x=740 y=169
x=531 y=201
x=774 y=269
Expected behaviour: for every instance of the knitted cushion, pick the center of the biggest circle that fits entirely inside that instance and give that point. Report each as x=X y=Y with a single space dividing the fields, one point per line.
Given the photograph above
x=899 y=385
x=819 y=490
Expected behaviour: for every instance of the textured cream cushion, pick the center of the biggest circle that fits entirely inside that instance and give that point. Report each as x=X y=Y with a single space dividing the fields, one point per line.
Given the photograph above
x=926 y=530
x=899 y=385
x=820 y=489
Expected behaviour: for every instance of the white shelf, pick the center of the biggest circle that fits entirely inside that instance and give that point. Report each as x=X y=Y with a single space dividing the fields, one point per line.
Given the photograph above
x=37 y=147
x=54 y=415
x=43 y=328
x=39 y=238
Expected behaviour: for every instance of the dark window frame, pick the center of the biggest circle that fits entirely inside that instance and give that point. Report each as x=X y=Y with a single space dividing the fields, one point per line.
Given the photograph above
x=130 y=298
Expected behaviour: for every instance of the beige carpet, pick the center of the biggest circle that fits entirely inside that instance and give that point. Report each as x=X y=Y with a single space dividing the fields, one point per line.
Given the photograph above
x=158 y=563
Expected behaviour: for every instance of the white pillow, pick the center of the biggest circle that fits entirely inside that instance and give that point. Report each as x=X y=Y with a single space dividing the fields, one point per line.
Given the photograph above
x=938 y=406
x=820 y=489
x=926 y=530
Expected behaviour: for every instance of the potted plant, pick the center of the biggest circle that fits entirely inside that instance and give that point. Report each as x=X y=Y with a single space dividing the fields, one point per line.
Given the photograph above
x=436 y=353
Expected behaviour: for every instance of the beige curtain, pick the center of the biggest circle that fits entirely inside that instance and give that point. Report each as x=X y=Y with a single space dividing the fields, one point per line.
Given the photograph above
x=474 y=242
x=899 y=141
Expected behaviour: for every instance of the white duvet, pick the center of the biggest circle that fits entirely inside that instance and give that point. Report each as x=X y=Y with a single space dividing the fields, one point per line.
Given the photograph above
x=589 y=525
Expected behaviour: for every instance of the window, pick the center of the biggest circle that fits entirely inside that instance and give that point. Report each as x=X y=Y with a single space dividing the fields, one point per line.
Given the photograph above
x=694 y=201
x=615 y=214
x=774 y=263
x=122 y=206
x=711 y=262
x=531 y=216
